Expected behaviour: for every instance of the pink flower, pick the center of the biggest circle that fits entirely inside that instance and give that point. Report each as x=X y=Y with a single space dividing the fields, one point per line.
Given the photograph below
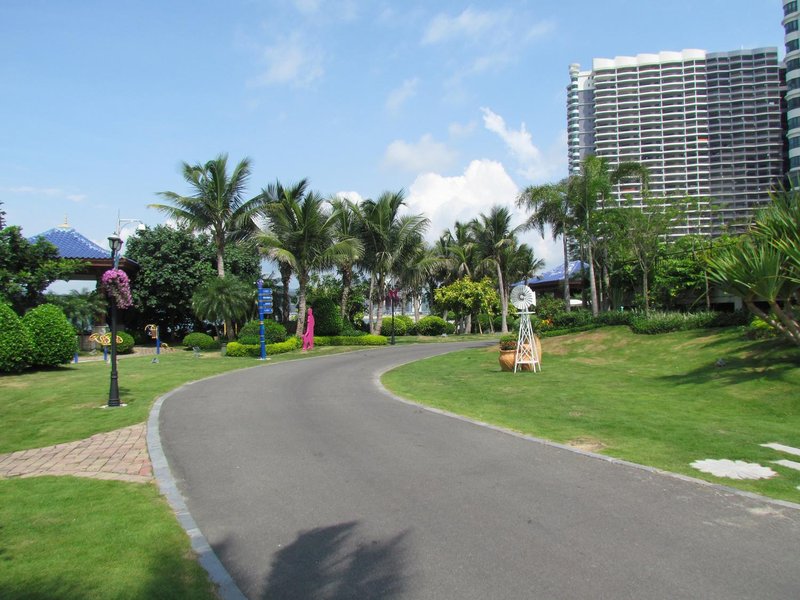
x=116 y=285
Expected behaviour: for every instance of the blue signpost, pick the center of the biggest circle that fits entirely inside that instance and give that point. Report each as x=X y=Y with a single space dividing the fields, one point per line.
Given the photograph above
x=264 y=308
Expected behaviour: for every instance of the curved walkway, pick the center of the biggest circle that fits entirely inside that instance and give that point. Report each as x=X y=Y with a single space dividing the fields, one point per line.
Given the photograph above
x=309 y=481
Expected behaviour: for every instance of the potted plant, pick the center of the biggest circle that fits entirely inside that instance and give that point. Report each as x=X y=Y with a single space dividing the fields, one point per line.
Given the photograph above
x=508 y=351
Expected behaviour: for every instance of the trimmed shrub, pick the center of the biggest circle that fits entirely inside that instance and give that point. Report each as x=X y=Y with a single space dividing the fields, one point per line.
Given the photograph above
x=431 y=325
x=402 y=323
x=508 y=341
x=349 y=331
x=274 y=332
x=549 y=307
x=759 y=329
x=127 y=343
x=53 y=337
x=615 y=317
x=665 y=322
x=15 y=342
x=327 y=320
x=359 y=340
x=557 y=332
x=574 y=318
x=239 y=350
x=200 y=340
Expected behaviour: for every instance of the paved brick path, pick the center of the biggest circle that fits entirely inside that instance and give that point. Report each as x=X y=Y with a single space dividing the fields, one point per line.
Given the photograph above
x=120 y=454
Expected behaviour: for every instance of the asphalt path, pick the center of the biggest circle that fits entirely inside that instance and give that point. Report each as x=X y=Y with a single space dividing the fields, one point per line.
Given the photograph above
x=311 y=482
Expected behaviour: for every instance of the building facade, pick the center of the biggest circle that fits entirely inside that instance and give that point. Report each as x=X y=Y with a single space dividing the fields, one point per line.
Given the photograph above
x=708 y=125
x=791 y=37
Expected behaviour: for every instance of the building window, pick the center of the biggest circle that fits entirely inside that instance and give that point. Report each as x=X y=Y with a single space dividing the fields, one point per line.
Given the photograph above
x=790 y=27
x=793 y=64
x=794 y=162
x=789 y=7
x=792 y=45
x=794 y=143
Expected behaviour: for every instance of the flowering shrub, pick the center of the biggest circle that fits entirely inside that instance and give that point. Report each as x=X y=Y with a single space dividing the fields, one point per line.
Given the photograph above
x=116 y=285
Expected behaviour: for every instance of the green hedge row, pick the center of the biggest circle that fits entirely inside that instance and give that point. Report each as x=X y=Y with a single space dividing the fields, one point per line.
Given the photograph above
x=43 y=338
x=238 y=350
x=346 y=340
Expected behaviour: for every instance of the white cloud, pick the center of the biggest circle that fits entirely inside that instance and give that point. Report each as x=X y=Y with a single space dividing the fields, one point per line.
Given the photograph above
x=426 y=155
x=469 y=24
x=398 y=96
x=350 y=195
x=50 y=192
x=534 y=164
x=459 y=130
x=484 y=183
x=307 y=6
x=290 y=60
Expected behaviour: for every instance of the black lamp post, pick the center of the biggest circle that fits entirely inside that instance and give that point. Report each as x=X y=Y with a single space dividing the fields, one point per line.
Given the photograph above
x=115 y=243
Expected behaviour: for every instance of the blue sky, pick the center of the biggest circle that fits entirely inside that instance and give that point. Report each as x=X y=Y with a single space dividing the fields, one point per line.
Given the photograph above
x=460 y=104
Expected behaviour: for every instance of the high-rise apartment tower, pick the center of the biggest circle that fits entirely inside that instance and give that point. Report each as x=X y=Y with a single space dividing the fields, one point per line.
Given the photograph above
x=791 y=36
x=706 y=124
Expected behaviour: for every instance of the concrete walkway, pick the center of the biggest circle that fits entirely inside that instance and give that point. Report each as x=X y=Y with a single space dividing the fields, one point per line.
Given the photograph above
x=120 y=455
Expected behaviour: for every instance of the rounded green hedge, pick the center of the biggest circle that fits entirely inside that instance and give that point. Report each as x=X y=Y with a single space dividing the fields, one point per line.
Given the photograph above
x=431 y=325
x=53 y=337
x=15 y=342
x=274 y=332
x=200 y=340
x=402 y=325
x=127 y=343
x=327 y=318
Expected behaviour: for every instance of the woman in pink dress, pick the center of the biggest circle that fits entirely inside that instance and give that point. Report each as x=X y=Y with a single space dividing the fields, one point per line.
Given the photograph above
x=308 y=336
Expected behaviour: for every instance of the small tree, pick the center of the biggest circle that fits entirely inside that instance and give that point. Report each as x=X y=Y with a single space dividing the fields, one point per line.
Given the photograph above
x=765 y=265
x=224 y=300
x=466 y=297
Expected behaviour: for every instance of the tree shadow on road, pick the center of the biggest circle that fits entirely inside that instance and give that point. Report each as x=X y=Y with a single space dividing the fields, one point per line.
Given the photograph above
x=331 y=563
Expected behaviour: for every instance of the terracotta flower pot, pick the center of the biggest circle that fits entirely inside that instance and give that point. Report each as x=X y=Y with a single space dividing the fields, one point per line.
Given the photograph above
x=507 y=357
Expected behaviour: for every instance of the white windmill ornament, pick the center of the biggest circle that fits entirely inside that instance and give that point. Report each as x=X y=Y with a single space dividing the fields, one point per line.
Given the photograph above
x=522 y=297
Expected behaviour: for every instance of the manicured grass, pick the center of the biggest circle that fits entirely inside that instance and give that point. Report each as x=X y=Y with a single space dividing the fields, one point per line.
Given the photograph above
x=661 y=400
x=65 y=537
x=41 y=408
x=438 y=339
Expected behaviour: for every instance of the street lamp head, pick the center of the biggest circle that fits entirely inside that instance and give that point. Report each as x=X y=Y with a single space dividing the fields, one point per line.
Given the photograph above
x=115 y=243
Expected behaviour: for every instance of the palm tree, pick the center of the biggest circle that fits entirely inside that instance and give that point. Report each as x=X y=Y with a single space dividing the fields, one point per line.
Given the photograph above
x=345 y=213
x=302 y=234
x=549 y=204
x=388 y=239
x=413 y=274
x=277 y=194
x=493 y=234
x=594 y=185
x=226 y=300
x=217 y=206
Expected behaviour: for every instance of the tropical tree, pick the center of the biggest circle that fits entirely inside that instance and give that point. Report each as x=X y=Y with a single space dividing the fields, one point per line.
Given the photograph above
x=765 y=265
x=389 y=240
x=82 y=309
x=549 y=205
x=467 y=298
x=226 y=300
x=301 y=233
x=590 y=191
x=345 y=213
x=413 y=273
x=217 y=206
x=493 y=235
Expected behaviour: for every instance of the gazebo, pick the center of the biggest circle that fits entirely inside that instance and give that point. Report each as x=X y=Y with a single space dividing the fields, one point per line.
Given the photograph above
x=97 y=260
x=71 y=244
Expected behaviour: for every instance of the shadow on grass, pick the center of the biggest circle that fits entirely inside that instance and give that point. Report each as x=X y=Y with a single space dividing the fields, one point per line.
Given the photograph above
x=770 y=360
x=330 y=563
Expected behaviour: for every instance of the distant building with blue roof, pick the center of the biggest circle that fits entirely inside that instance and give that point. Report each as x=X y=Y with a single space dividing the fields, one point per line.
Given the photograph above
x=551 y=281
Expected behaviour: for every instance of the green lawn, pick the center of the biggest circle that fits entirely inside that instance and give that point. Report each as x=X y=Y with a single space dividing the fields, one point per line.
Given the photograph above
x=65 y=538
x=655 y=400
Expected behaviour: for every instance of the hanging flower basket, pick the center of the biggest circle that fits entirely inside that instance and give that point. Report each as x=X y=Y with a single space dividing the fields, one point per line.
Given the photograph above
x=116 y=285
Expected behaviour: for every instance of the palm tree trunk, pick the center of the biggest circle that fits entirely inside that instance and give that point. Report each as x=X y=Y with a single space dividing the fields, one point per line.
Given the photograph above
x=592 y=281
x=347 y=281
x=468 y=324
x=606 y=282
x=371 y=301
x=302 y=281
x=645 y=290
x=417 y=300
x=286 y=275
x=566 y=273
x=379 y=315
x=503 y=300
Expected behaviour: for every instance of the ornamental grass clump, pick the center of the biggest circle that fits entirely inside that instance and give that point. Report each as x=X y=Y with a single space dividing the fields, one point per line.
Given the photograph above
x=116 y=285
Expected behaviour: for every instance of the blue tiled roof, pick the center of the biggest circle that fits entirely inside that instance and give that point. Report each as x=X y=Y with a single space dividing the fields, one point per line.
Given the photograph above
x=72 y=244
x=556 y=274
